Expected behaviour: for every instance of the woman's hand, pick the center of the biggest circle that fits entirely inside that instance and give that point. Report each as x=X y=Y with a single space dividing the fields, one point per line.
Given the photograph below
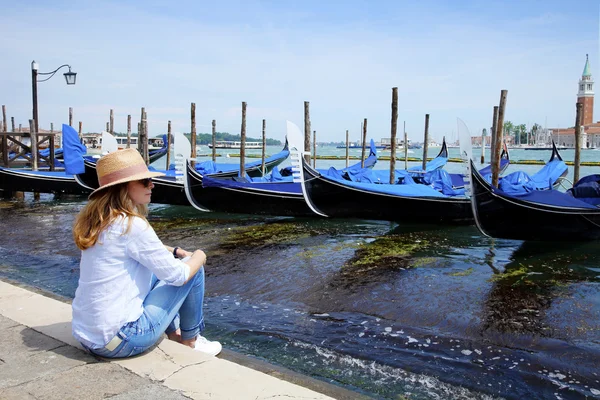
x=181 y=253
x=178 y=252
x=196 y=261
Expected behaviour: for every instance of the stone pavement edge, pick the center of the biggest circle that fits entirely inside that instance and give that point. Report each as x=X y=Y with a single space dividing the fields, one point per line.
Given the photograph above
x=40 y=359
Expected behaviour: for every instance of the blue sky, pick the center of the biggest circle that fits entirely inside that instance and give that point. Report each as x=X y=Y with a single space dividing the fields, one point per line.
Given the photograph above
x=448 y=59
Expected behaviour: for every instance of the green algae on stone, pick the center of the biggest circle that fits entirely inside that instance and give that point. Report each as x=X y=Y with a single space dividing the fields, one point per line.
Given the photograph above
x=170 y=224
x=516 y=273
x=265 y=234
x=6 y=204
x=418 y=262
x=326 y=249
x=391 y=251
x=347 y=245
x=314 y=251
x=466 y=272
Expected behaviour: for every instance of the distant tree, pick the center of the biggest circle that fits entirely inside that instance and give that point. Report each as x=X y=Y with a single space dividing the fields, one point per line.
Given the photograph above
x=509 y=128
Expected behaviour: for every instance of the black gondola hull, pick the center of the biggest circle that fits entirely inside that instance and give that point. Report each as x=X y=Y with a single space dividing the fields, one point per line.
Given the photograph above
x=245 y=200
x=28 y=181
x=339 y=200
x=166 y=189
x=511 y=218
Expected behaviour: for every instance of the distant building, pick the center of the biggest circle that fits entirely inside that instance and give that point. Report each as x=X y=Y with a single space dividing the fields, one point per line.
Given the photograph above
x=590 y=131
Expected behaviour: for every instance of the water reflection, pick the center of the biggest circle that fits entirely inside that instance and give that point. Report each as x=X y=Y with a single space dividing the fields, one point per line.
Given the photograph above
x=525 y=288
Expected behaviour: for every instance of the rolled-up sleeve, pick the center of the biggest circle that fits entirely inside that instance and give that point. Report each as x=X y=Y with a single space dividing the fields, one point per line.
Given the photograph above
x=146 y=248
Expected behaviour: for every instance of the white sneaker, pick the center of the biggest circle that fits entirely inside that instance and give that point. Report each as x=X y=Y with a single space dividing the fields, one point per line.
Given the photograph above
x=207 y=347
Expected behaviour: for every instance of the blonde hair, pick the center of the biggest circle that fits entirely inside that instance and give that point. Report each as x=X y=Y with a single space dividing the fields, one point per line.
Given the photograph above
x=101 y=211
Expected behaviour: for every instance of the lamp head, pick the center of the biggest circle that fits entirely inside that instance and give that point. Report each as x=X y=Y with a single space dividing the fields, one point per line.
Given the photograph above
x=70 y=77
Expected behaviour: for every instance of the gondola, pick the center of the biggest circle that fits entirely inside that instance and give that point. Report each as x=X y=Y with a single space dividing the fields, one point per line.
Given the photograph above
x=26 y=180
x=538 y=215
x=369 y=199
x=89 y=178
x=169 y=189
x=253 y=168
x=242 y=196
x=400 y=203
x=274 y=195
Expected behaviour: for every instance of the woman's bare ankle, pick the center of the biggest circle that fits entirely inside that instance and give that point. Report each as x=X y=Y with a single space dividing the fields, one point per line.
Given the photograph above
x=175 y=336
x=189 y=342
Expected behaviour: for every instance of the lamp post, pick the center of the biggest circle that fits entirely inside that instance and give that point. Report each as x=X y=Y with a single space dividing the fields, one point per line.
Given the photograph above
x=70 y=77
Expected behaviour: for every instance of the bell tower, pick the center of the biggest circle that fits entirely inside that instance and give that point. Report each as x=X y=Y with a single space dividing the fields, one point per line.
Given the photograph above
x=585 y=95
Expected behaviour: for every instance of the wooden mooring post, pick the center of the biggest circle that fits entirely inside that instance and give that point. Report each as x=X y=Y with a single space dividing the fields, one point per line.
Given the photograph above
x=193 y=154
x=577 y=160
x=243 y=142
x=307 y=132
x=111 y=128
x=70 y=116
x=169 y=141
x=405 y=147
x=264 y=147
x=139 y=131
x=364 y=143
x=4 y=145
x=393 y=135
x=347 y=148
x=425 y=142
x=34 y=151
x=33 y=140
x=142 y=136
x=315 y=149
x=494 y=134
x=128 y=131
x=499 y=129
x=4 y=124
x=51 y=142
x=146 y=144
x=483 y=146
x=214 y=140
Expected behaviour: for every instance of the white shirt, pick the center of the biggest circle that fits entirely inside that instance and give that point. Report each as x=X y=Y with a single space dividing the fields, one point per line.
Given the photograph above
x=115 y=278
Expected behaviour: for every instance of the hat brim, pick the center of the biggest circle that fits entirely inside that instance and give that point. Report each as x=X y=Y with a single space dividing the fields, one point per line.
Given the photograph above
x=136 y=177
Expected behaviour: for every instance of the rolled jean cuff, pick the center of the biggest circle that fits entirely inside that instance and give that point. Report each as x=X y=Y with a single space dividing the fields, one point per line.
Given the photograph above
x=192 y=333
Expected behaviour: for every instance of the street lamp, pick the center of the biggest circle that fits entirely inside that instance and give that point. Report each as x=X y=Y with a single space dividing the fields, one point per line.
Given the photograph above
x=70 y=77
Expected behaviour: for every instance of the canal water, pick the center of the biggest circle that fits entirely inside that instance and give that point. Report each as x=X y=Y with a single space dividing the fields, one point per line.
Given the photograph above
x=391 y=311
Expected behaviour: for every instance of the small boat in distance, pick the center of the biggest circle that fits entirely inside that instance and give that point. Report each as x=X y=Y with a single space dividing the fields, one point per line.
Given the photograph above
x=231 y=144
x=153 y=143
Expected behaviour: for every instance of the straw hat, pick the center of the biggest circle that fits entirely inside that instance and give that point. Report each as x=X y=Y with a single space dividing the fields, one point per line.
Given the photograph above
x=119 y=167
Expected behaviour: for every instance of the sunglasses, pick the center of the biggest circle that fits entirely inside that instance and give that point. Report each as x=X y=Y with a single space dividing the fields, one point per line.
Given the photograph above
x=146 y=182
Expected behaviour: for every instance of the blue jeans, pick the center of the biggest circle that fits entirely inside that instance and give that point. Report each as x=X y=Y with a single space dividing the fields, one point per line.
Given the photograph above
x=164 y=308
